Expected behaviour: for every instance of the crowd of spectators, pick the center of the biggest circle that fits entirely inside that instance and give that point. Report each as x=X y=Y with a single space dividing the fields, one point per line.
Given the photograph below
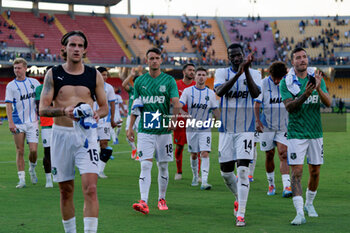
x=154 y=32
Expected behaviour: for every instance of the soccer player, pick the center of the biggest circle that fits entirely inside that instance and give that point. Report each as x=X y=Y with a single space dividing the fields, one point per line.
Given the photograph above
x=119 y=108
x=23 y=119
x=302 y=92
x=66 y=86
x=105 y=124
x=188 y=71
x=273 y=127
x=237 y=86
x=46 y=130
x=129 y=87
x=201 y=101
x=155 y=89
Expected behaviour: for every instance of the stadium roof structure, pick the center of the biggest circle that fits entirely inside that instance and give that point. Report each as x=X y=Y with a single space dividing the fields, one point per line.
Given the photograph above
x=81 y=2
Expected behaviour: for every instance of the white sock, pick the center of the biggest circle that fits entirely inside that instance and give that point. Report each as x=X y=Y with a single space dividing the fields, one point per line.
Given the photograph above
x=194 y=166
x=286 y=180
x=132 y=144
x=271 y=178
x=310 y=196
x=118 y=131
x=69 y=225
x=32 y=166
x=253 y=163
x=163 y=178
x=230 y=181
x=243 y=189
x=298 y=204
x=90 y=224
x=113 y=135
x=145 y=179
x=205 y=170
x=48 y=177
x=101 y=165
x=21 y=175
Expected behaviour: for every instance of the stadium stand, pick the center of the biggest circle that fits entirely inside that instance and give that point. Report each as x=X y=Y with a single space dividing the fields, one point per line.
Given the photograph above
x=103 y=47
x=257 y=33
x=339 y=88
x=5 y=32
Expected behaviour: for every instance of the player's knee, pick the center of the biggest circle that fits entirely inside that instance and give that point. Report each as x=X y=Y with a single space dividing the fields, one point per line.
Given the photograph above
x=283 y=155
x=297 y=171
x=242 y=172
x=227 y=166
x=269 y=155
x=314 y=173
x=66 y=193
x=146 y=165
x=205 y=154
x=90 y=190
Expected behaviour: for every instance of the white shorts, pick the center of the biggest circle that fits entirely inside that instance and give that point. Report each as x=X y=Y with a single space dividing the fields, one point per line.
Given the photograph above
x=235 y=146
x=268 y=139
x=161 y=144
x=31 y=131
x=46 y=136
x=257 y=136
x=136 y=124
x=104 y=131
x=67 y=151
x=298 y=148
x=198 y=141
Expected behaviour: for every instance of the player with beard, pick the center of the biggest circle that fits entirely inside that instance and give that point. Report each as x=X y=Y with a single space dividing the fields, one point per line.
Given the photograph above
x=302 y=92
x=237 y=86
x=188 y=71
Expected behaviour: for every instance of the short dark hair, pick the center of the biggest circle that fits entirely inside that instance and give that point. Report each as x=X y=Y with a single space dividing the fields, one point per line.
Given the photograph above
x=101 y=69
x=187 y=65
x=278 y=69
x=234 y=46
x=201 y=69
x=297 y=49
x=154 y=50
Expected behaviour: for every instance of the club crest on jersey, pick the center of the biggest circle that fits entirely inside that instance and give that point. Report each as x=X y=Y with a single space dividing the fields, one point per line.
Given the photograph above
x=207 y=98
x=162 y=88
x=245 y=82
x=151 y=120
x=32 y=86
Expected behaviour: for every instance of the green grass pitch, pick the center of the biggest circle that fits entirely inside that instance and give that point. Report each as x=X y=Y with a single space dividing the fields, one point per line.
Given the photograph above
x=36 y=209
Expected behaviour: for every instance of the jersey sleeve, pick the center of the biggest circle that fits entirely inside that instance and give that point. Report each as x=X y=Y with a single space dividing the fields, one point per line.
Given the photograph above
x=9 y=94
x=257 y=78
x=38 y=90
x=219 y=77
x=213 y=102
x=260 y=98
x=285 y=94
x=110 y=94
x=173 y=89
x=323 y=86
x=134 y=91
x=183 y=98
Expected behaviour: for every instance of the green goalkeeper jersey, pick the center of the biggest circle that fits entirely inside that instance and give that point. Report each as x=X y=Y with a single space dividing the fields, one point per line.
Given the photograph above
x=155 y=94
x=305 y=122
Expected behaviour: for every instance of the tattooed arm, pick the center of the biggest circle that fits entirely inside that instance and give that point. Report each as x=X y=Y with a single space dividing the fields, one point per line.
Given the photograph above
x=46 y=99
x=293 y=105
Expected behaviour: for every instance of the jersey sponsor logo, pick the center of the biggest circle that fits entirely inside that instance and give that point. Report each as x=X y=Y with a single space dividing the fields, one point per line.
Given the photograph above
x=196 y=105
x=60 y=78
x=151 y=120
x=153 y=99
x=237 y=94
x=275 y=100
x=27 y=96
x=313 y=99
x=162 y=88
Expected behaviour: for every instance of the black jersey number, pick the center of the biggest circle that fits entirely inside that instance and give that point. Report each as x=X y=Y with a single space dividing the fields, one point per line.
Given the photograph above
x=247 y=144
x=169 y=148
x=93 y=155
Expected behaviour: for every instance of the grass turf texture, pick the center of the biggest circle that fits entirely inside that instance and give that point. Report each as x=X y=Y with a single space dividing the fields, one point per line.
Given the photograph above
x=36 y=209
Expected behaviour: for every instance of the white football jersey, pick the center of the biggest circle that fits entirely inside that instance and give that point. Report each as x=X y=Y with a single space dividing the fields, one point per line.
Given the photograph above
x=118 y=100
x=200 y=102
x=110 y=98
x=22 y=96
x=237 y=114
x=274 y=114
